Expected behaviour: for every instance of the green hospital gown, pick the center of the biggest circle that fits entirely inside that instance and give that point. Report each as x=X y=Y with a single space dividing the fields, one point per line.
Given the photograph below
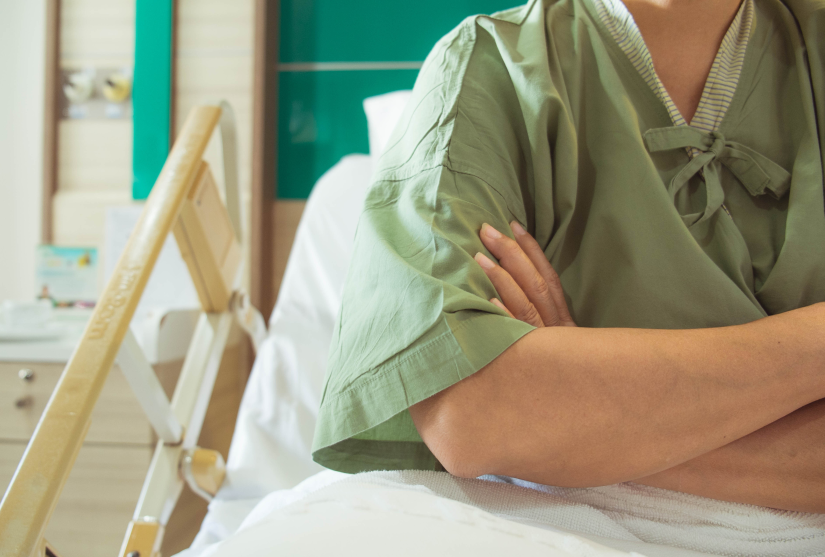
x=536 y=115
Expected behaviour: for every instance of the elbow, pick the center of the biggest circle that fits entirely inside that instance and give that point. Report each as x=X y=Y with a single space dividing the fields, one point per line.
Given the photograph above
x=459 y=462
x=470 y=443
x=466 y=441
x=475 y=429
x=455 y=435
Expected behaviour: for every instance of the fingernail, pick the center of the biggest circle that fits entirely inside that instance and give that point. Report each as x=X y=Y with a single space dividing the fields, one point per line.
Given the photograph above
x=490 y=232
x=484 y=261
x=517 y=228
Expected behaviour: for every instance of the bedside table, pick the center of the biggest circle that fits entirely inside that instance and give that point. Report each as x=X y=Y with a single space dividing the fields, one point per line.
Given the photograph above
x=100 y=495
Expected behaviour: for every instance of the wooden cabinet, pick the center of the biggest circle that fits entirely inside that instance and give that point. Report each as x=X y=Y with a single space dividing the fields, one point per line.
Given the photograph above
x=25 y=389
x=101 y=492
x=98 y=499
x=100 y=495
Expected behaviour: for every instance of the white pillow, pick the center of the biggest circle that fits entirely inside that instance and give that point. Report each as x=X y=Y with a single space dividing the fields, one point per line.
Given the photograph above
x=383 y=113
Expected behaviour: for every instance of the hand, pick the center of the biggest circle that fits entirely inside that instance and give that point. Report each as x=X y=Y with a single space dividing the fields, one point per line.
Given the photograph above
x=528 y=285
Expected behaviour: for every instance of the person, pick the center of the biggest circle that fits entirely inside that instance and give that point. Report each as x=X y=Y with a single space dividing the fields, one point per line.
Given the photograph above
x=594 y=252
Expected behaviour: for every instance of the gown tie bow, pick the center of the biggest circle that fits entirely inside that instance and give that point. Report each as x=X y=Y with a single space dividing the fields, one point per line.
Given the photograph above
x=757 y=173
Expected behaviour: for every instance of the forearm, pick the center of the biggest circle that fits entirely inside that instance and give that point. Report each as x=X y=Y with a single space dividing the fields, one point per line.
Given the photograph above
x=781 y=465
x=576 y=406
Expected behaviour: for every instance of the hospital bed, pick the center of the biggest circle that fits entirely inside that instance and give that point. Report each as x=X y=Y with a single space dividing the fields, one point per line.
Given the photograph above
x=271 y=498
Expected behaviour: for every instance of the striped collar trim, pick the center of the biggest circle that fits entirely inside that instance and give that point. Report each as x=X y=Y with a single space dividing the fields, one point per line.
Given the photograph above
x=724 y=73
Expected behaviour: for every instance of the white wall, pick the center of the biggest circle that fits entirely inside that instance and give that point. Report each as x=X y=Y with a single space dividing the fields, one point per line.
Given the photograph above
x=22 y=58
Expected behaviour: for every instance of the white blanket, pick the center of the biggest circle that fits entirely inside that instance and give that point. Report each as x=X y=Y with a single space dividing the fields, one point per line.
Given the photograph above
x=433 y=513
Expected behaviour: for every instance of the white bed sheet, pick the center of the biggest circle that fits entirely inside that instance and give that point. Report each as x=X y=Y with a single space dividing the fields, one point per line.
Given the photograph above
x=433 y=513
x=270 y=454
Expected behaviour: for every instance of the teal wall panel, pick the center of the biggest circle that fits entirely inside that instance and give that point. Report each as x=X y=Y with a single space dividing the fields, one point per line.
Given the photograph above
x=321 y=119
x=320 y=115
x=371 y=30
x=152 y=91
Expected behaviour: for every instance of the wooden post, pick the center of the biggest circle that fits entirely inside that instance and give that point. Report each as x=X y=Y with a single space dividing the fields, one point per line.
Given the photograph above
x=51 y=117
x=264 y=155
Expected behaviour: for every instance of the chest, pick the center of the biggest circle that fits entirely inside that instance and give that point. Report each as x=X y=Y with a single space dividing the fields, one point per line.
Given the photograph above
x=683 y=42
x=627 y=256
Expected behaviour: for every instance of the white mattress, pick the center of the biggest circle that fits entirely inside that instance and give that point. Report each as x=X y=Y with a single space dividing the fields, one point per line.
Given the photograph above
x=370 y=513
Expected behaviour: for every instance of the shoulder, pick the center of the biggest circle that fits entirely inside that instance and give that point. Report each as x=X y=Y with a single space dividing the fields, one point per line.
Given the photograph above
x=470 y=82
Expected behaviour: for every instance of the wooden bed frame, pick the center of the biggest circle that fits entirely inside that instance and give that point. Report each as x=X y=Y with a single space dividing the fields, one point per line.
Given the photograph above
x=184 y=201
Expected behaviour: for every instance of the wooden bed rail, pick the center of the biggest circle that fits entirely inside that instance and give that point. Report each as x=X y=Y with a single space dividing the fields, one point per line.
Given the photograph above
x=36 y=486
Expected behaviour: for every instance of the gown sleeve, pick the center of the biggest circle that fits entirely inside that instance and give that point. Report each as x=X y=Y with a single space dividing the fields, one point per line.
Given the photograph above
x=415 y=317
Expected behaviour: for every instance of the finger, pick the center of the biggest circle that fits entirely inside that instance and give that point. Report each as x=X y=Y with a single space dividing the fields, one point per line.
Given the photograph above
x=511 y=294
x=551 y=277
x=497 y=302
x=513 y=259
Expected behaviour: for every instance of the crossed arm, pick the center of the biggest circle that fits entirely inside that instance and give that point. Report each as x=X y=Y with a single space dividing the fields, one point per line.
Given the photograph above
x=733 y=413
